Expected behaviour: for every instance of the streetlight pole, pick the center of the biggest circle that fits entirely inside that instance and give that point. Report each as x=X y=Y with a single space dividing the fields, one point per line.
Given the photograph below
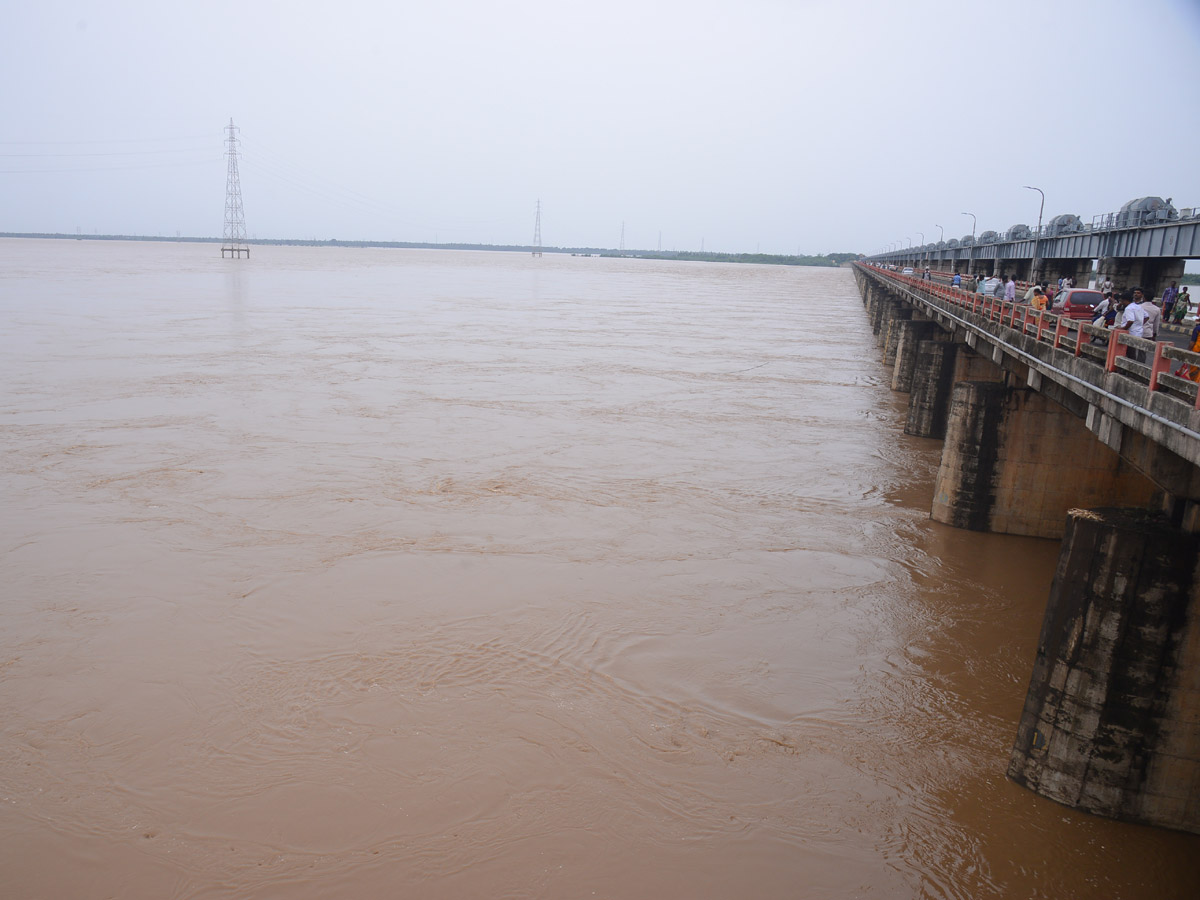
x=941 y=233
x=971 y=258
x=1037 y=241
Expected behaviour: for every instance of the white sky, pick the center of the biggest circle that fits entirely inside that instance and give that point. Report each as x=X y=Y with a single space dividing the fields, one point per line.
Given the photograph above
x=772 y=125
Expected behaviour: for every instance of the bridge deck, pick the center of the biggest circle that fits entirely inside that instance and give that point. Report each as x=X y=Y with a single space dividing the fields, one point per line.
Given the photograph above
x=1157 y=398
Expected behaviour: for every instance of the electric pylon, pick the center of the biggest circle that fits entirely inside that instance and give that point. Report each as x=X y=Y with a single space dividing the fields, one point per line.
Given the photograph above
x=233 y=242
x=537 y=231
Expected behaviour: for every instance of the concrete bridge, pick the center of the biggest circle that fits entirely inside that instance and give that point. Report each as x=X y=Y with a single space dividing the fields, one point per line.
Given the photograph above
x=1146 y=243
x=1056 y=428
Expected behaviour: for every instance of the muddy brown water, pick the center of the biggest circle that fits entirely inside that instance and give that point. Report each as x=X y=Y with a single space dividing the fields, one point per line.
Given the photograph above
x=371 y=573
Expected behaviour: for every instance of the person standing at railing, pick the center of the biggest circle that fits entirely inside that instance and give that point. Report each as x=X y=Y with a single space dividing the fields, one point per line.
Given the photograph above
x=957 y=279
x=1168 y=300
x=1038 y=300
x=1010 y=290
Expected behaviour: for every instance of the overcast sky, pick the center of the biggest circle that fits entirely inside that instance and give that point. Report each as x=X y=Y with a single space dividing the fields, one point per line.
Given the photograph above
x=772 y=125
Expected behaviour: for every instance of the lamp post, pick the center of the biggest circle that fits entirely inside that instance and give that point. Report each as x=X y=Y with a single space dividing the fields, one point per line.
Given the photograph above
x=1037 y=241
x=971 y=258
x=941 y=233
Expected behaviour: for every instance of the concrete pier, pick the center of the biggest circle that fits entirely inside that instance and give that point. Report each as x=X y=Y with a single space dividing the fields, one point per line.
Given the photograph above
x=1111 y=722
x=932 y=382
x=1015 y=463
x=909 y=337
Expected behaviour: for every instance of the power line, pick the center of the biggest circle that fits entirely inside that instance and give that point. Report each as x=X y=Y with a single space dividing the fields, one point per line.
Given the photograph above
x=152 y=140
x=106 y=153
x=70 y=171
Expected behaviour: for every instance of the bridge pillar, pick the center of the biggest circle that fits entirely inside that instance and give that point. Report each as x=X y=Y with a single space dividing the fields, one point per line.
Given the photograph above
x=1111 y=723
x=1151 y=275
x=872 y=294
x=908 y=340
x=1015 y=462
x=895 y=327
x=932 y=382
x=891 y=308
x=1079 y=269
x=885 y=304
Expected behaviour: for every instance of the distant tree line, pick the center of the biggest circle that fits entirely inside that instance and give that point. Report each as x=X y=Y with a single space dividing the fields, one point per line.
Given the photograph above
x=827 y=259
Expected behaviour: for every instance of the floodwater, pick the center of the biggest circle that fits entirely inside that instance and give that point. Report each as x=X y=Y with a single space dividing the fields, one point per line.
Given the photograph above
x=378 y=573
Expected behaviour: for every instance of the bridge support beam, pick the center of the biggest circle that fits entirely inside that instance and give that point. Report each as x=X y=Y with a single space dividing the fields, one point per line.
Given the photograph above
x=1014 y=462
x=1111 y=723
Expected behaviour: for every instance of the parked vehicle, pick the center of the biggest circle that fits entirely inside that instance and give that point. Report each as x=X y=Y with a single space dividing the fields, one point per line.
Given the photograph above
x=1076 y=303
x=907 y=270
x=992 y=287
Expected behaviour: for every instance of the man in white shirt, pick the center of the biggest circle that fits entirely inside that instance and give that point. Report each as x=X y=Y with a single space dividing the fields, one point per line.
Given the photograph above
x=1153 y=314
x=1133 y=320
x=1133 y=317
x=1010 y=290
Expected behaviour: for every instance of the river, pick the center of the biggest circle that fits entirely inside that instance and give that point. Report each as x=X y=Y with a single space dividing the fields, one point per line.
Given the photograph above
x=366 y=573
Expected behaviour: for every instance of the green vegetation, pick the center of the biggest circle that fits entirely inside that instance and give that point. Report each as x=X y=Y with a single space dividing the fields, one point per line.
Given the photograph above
x=828 y=259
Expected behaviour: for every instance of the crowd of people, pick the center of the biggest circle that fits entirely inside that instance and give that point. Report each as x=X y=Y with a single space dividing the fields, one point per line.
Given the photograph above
x=1173 y=307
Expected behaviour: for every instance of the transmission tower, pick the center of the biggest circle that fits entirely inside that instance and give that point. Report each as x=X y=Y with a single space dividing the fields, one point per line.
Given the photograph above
x=233 y=242
x=537 y=231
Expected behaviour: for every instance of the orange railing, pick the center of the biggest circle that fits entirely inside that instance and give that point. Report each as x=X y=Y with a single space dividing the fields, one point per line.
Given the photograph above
x=1107 y=347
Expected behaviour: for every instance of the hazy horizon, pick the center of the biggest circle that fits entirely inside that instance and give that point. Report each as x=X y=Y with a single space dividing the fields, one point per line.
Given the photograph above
x=776 y=127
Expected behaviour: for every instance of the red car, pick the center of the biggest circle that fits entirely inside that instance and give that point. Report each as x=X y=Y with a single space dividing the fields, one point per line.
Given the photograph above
x=1076 y=303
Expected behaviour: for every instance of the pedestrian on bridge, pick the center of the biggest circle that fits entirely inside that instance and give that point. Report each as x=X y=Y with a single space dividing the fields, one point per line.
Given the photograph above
x=1133 y=320
x=1154 y=315
x=1182 y=303
x=1010 y=290
x=1168 y=299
